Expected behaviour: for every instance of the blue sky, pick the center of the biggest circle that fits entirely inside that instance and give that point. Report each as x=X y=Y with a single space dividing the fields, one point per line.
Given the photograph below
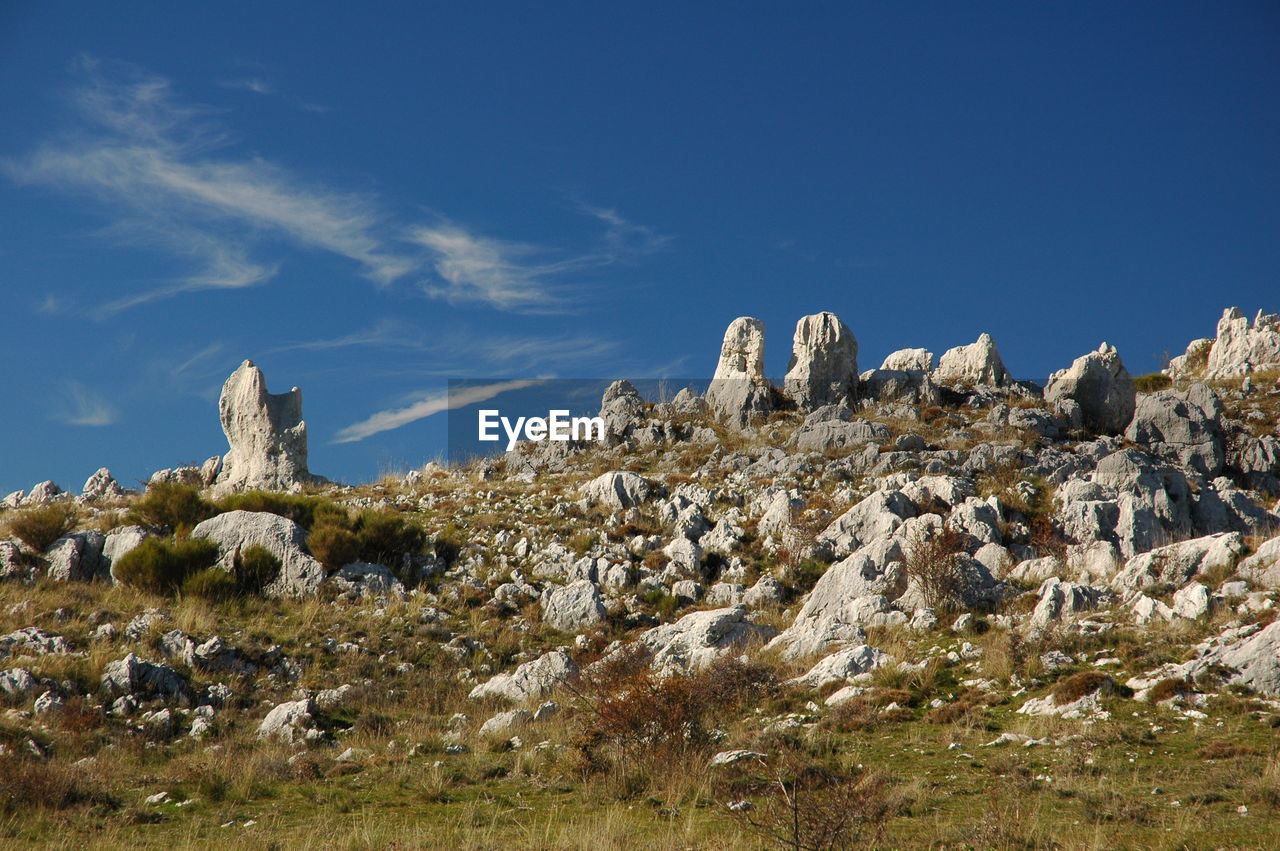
x=369 y=201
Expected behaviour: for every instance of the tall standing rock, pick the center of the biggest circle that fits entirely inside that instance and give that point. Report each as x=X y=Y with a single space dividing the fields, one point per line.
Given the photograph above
x=824 y=362
x=1239 y=348
x=739 y=392
x=267 y=435
x=1101 y=386
x=977 y=364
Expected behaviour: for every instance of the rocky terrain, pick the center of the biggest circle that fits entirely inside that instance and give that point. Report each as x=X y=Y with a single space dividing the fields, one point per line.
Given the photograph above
x=918 y=605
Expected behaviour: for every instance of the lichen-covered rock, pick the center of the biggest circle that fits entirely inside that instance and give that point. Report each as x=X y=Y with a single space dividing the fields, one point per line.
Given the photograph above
x=1101 y=386
x=1059 y=599
x=824 y=362
x=266 y=433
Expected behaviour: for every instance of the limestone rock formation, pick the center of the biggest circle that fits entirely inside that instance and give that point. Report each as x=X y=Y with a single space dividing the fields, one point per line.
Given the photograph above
x=574 y=607
x=1184 y=427
x=266 y=433
x=976 y=364
x=1101 y=386
x=531 y=680
x=908 y=360
x=300 y=574
x=1240 y=348
x=824 y=362
x=739 y=392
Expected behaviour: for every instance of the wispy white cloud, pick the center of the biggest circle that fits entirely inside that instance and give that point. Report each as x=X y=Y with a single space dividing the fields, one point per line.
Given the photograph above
x=84 y=407
x=257 y=85
x=50 y=305
x=168 y=170
x=387 y=333
x=432 y=403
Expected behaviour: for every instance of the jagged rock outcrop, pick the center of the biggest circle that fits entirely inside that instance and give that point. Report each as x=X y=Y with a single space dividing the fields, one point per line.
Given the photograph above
x=1101 y=386
x=1240 y=348
x=101 y=485
x=138 y=678
x=266 y=433
x=622 y=410
x=977 y=364
x=300 y=574
x=824 y=362
x=739 y=392
x=77 y=556
x=1184 y=427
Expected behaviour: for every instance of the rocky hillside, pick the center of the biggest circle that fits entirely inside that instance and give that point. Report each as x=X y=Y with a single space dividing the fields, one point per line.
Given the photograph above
x=913 y=605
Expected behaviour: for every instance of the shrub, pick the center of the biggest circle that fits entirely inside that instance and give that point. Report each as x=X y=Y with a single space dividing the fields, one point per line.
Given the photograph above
x=39 y=527
x=1078 y=685
x=384 y=537
x=304 y=510
x=1169 y=688
x=172 y=505
x=935 y=563
x=333 y=544
x=255 y=568
x=212 y=583
x=161 y=565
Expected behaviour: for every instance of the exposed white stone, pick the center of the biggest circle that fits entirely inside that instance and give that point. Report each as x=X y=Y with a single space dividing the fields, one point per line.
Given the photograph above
x=619 y=489
x=1101 y=386
x=824 y=362
x=300 y=574
x=574 y=607
x=739 y=392
x=530 y=681
x=909 y=359
x=289 y=722
x=976 y=364
x=842 y=665
x=698 y=639
x=266 y=433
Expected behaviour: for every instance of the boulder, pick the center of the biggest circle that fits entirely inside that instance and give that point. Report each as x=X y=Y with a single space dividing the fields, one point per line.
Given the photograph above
x=16 y=682
x=138 y=678
x=739 y=392
x=1101 y=386
x=361 y=579
x=881 y=513
x=32 y=641
x=838 y=434
x=841 y=666
x=1183 y=427
x=1175 y=564
x=574 y=607
x=909 y=359
x=977 y=364
x=530 y=681
x=77 y=556
x=1263 y=567
x=1243 y=655
x=698 y=639
x=290 y=722
x=619 y=489
x=300 y=574
x=824 y=362
x=850 y=595
x=266 y=433
x=43 y=493
x=1059 y=599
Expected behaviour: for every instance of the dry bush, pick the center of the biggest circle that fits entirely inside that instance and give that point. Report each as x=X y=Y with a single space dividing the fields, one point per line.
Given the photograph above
x=626 y=711
x=935 y=563
x=40 y=527
x=1078 y=685
x=802 y=806
x=27 y=784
